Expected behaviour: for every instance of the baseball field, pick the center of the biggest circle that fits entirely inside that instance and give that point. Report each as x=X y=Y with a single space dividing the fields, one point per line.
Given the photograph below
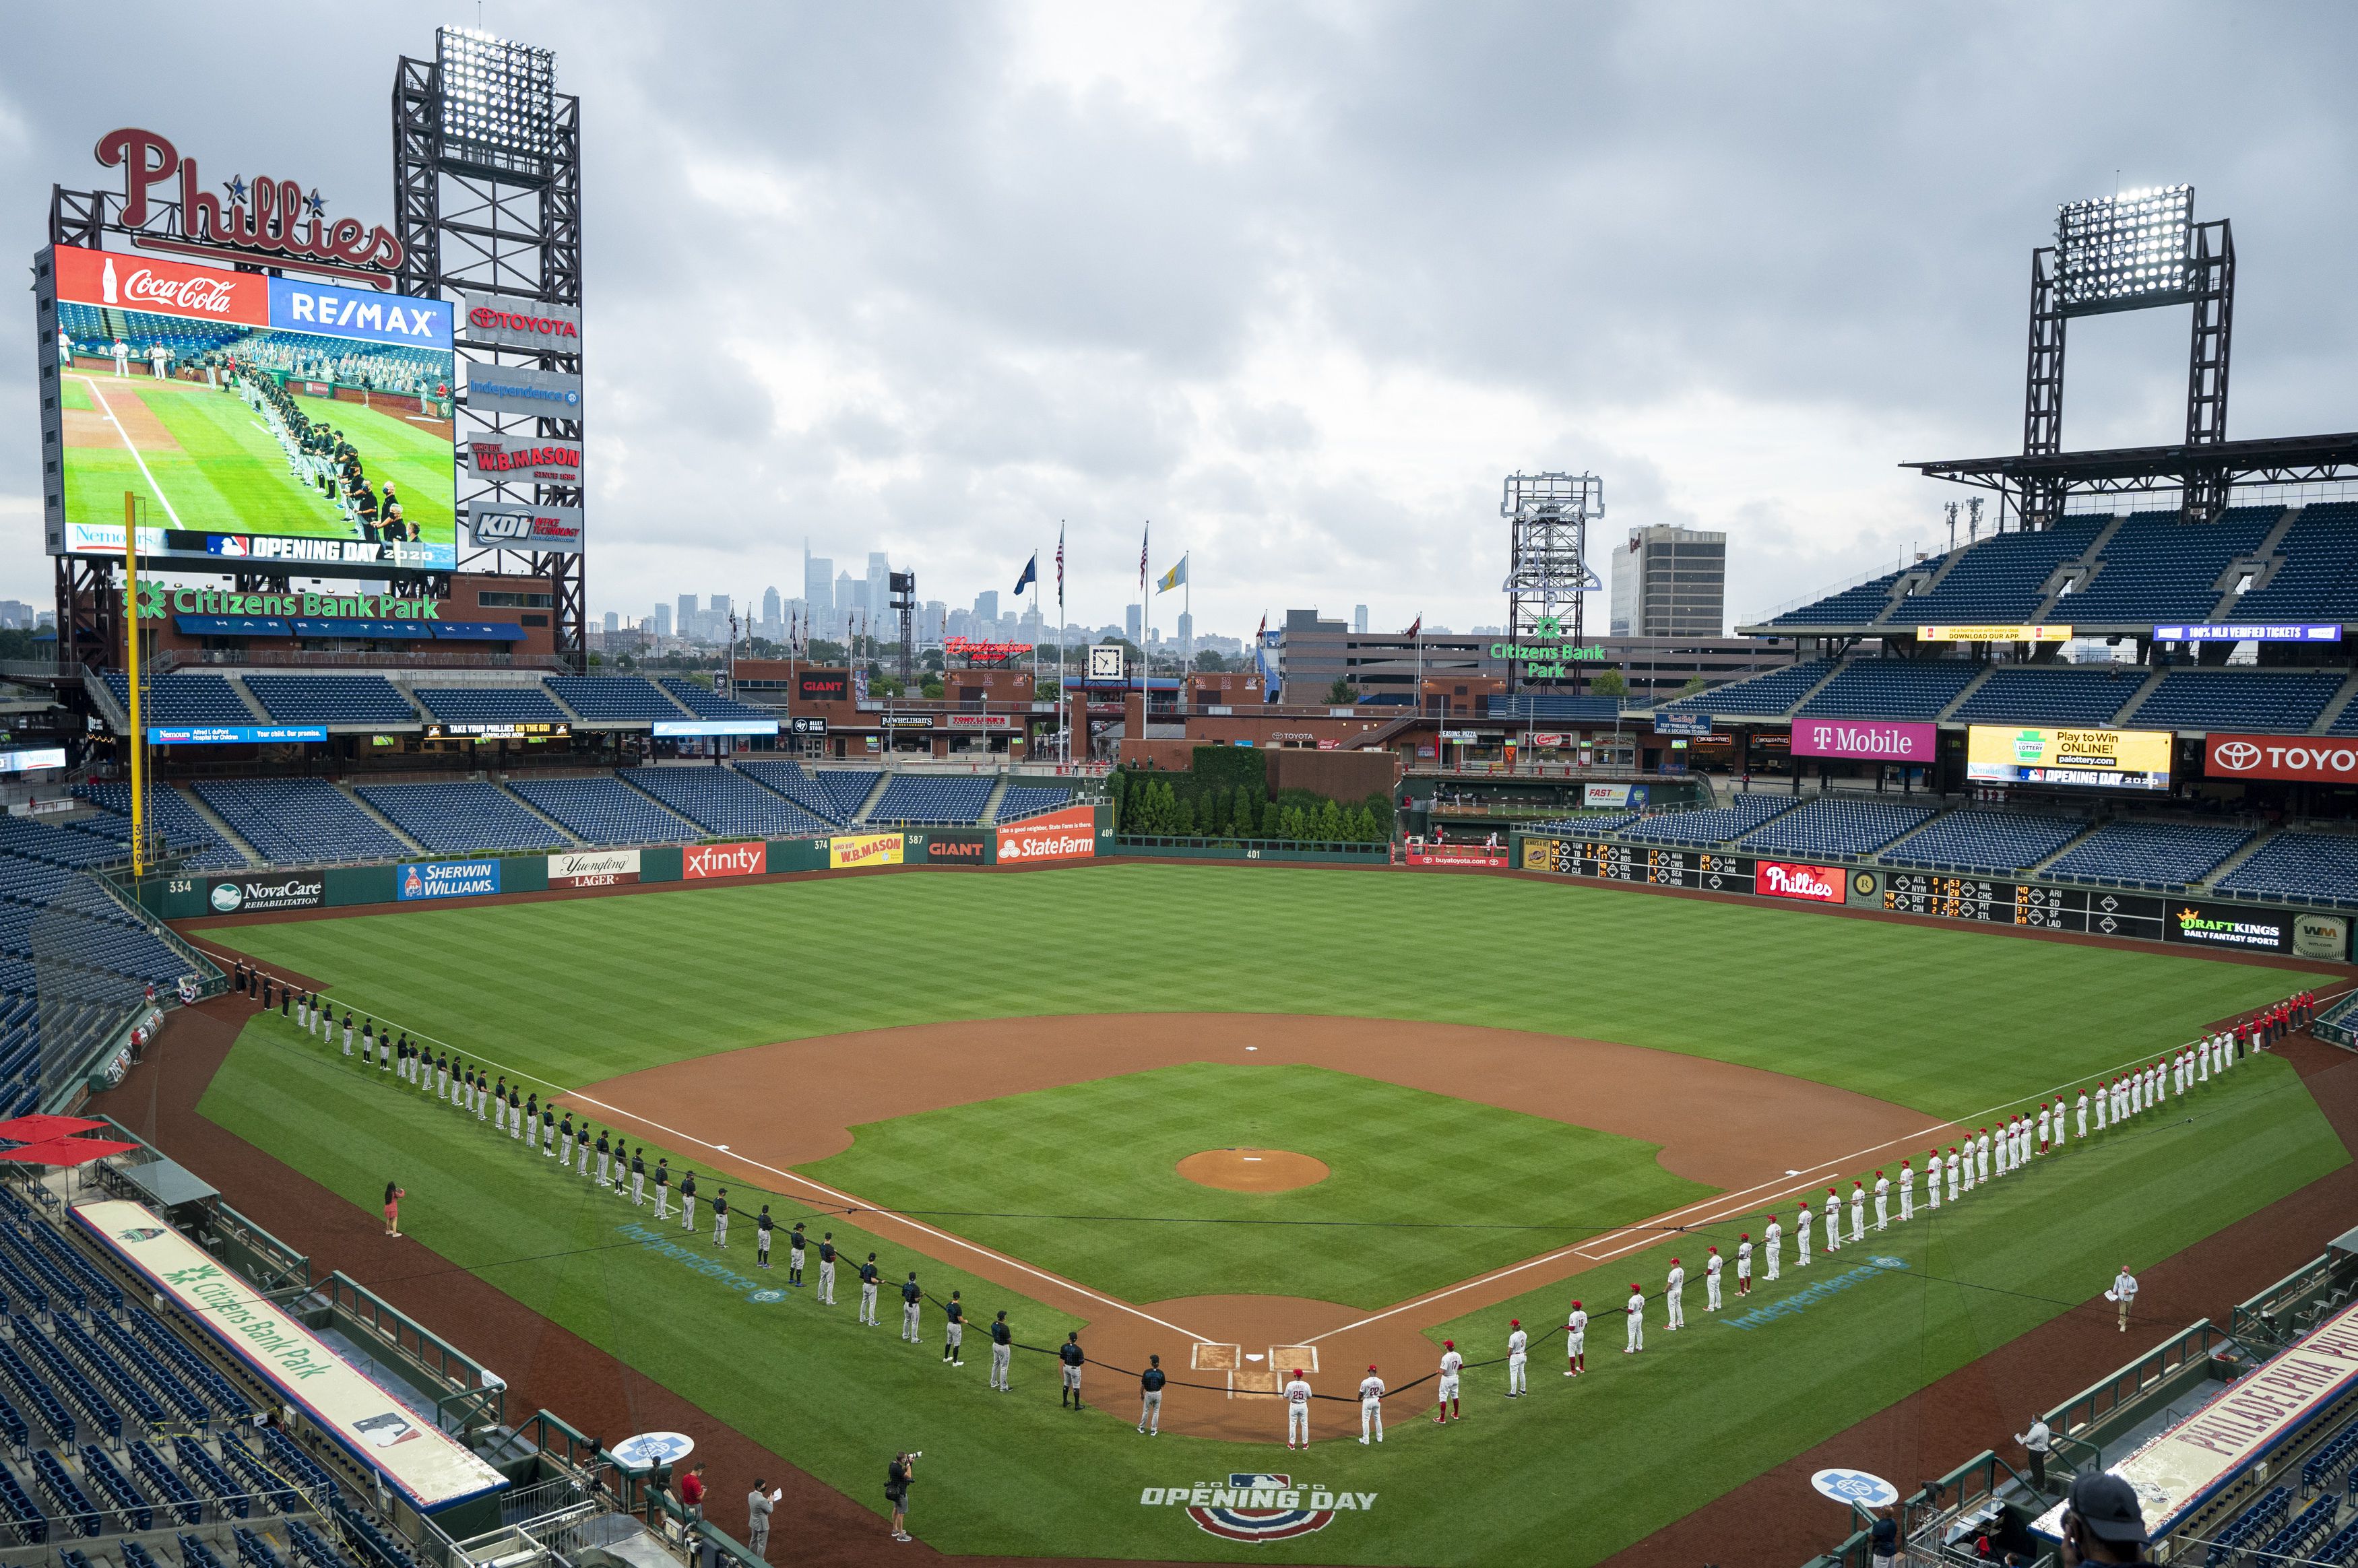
x=1254 y=1120
x=200 y=459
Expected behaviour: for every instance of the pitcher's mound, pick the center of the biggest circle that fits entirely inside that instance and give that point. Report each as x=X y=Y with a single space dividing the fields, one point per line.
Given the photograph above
x=1254 y=1170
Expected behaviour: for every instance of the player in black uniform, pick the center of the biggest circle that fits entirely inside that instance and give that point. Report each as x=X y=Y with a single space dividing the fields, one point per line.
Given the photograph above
x=1002 y=1351
x=721 y=1217
x=910 y=1296
x=564 y=1138
x=794 y=1243
x=954 y=1334
x=1069 y=1353
x=1150 y=1401
x=827 y=1269
x=761 y=1238
x=868 y=1276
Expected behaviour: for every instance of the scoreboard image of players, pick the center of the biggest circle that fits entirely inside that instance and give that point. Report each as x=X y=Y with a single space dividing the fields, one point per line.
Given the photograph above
x=2090 y=910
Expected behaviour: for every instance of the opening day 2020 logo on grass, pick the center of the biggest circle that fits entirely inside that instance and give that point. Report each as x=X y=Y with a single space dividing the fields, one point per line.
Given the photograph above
x=1258 y=1507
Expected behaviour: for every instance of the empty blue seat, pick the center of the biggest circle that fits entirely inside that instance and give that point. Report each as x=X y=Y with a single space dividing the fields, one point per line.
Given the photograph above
x=616 y=699
x=2259 y=702
x=489 y=704
x=1987 y=842
x=1720 y=826
x=291 y=821
x=1764 y=695
x=461 y=819
x=922 y=800
x=332 y=699
x=2320 y=867
x=726 y=803
x=1891 y=688
x=2000 y=579
x=183 y=699
x=2166 y=856
x=604 y=810
x=2156 y=568
x=1023 y=800
x=1832 y=826
x=2051 y=694
x=705 y=704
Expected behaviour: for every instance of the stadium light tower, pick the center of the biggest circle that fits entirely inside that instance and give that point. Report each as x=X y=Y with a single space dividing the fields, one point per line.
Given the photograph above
x=1547 y=555
x=2131 y=251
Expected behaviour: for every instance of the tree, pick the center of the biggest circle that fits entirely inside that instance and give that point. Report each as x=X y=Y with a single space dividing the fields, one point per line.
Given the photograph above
x=1694 y=683
x=931 y=689
x=1609 y=683
x=1340 y=693
x=1211 y=662
x=1272 y=820
x=1329 y=825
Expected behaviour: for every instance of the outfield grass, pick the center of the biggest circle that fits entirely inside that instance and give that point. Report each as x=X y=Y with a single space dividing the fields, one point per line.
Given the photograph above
x=1081 y=1180
x=229 y=474
x=1946 y=1021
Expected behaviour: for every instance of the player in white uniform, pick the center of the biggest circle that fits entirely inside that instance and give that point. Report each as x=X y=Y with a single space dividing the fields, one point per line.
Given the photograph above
x=1801 y=1233
x=1674 y=1295
x=1519 y=1360
x=1858 y=1211
x=1743 y=1264
x=1575 y=1342
x=1773 y=1240
x=2044 y=1128
x=1949 y=1165
x=1834 y=1221
x=1932 y=1182
x=1297 y=1409
x=2002 y=1151
x=1635 y=1312
x=122 y=352
x=1882 y=1201
x=1371 y=1408
x=1711 y=1267
x=1981 y=1156
x=160 y=358
x=65 y=349
x=2081 y=1106
x=1452 y=1364
x=1907 y=1191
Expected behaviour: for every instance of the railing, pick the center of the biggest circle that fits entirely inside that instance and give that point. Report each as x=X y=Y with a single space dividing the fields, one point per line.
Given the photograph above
x=2266 y=1319
x=2184 y=1356
x=469 y=1400
x=172 y=659
x=276 y=1269
x=1132 y=843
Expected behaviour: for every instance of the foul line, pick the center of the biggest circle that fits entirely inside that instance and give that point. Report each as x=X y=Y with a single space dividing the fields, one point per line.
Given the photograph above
x=163 y=500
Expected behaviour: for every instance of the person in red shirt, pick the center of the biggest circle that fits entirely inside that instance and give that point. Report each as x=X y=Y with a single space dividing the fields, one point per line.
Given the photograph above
x=692 y=1492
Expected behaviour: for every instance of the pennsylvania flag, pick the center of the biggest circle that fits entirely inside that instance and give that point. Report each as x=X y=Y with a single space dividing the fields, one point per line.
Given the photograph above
x=1031 y=573
x=1172 y=579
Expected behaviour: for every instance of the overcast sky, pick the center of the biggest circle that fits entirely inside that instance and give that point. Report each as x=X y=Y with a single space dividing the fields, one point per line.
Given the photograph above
x=1299 y=283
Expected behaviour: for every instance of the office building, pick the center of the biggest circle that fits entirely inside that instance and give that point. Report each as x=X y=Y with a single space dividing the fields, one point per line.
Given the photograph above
x=819 y=586
x=986 y=610
x=662 y=620
x=1670 y=582
x=1359 y=619
x=687 y=615
x=613 y=623
x=850 y=598
x=1186 y=636
x=773 y=608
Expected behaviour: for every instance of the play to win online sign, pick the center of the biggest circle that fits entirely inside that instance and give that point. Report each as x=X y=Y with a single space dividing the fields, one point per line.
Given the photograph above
x=428 y=1467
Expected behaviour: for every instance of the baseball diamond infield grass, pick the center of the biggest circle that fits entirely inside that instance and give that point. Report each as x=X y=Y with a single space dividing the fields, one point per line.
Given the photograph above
x=1485 y=1187
x=221 y=470
x=1948 y=1021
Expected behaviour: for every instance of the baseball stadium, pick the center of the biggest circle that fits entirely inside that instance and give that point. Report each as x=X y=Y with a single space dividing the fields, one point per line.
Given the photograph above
x=472 y=1105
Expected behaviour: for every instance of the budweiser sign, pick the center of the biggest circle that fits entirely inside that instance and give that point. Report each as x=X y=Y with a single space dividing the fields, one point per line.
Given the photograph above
x=698 y=861
x=1819 y=884
x=2293 y=757
x=265 y=217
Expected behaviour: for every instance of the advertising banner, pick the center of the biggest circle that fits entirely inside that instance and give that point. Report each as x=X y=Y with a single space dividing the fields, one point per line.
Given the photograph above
x=507 y=525
x=512 y=460
x=906 y=721
x=446 y=879
x=1690 y=725
x=32 y=759
x=1783 y=879
x=2097 y=759
x=1609 y=795
x=701 y=862
x=2229 y=926
x=1068 y=834
x=689 y=729
x=2320 y=760
x=431 y=1469
x=296 y=890
x=2266 y=633
x=950 y=846
x=1423 y=854
x=822 y=685
x=1993 y=633
x=235 y=404
x=1874 y=739
x=848 y=850
x=232 y=735
x=512 y=389
x=2321 y=937
x=978 y=722
x=593 y=869
x=520 y=323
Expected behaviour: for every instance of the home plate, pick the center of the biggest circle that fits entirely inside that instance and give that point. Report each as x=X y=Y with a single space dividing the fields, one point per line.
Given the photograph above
x=1252 y=1356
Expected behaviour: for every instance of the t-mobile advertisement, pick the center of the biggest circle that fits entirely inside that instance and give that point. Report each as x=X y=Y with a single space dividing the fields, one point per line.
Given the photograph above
x=1873 y=739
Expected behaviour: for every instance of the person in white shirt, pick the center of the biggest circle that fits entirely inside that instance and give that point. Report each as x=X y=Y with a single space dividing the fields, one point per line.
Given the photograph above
x=122 y=352
x=1833 y=1220
x=2081 y=1106
x=1932 y=1182
x=1452 y=1364
x=1950 y=1164
x=1858 y=1211
x=2124 y=1291
x=1801 y=1231
x=1981 y=1156
x=1772 y=1241
x=65 y=349
x=1372 y=1407
x=1674 y=1297
x=1743 y=1264
x=1882 y=1201
x=2136 y=1093
x=1711 y=1267
x=1635 y=1314
x=2036 y=1442
x=1907 y=1191
x=1297 y=1411
x=1519 y=1360
x=1575 y=1342
x=2044 y=1127
x=160 y=358
x=2202 y=1062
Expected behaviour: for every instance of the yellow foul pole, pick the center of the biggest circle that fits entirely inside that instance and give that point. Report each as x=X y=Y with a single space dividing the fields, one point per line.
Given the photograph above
x=138 y=737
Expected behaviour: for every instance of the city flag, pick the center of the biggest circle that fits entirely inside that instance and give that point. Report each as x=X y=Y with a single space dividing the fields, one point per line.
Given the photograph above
x=1031 y=573
x=1173 y=577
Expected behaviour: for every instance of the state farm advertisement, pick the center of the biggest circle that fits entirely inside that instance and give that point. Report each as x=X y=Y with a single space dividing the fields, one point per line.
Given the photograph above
x=2294 y=757
x=1781 y=878
x=1068 y=834
x=594 y=868
x=1873 y=739
x=699 y=861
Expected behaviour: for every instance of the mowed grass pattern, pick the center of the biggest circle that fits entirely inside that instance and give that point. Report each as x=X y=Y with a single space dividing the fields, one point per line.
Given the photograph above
x=1949 y=1022
x=1424 y=1190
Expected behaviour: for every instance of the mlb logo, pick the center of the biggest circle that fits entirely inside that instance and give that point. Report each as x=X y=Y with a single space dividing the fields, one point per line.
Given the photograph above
x=1258 y=1506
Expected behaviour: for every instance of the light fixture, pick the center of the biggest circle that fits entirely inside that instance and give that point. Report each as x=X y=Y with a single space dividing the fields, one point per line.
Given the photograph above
x=2125 y=251
x=498 y=96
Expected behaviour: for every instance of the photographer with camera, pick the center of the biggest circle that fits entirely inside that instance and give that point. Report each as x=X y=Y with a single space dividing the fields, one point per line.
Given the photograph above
x=897 y=1477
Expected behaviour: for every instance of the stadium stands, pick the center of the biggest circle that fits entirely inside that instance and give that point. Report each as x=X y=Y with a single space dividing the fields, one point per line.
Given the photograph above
x=183 y=699
x=331 y=700
x=1773 y=693
x=615 y=699
x=59 y=846
x=1891 y=688
x=291 y=821
x=788 y=779
x=2051 y=694
x=1023 y=800
x=726 y=803
x=1857 y=606
x=2156 y=568
x=1720 y=826
x=489 y=704
x=1832 y=826
x=2317 y=580
x=701 y=701
x=1988 y=842
x=186 y=832
x=2260 y=702
x=604 y=810
x=2303 y=868
x=845 y=789
x=2001 y=578
x=921 y=800
x=461 y=819
x=2164 y=856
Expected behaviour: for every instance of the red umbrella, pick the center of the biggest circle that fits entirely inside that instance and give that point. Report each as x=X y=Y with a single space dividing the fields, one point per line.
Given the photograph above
x=66 y=1151
x=36 y=1127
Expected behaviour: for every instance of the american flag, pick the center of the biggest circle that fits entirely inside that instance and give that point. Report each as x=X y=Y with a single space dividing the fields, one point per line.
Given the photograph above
x=1143 y=539
x=1060 y=571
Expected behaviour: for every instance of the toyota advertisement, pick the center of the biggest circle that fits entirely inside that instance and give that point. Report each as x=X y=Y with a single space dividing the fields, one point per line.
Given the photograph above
x=253 y=419
x=2296 y=758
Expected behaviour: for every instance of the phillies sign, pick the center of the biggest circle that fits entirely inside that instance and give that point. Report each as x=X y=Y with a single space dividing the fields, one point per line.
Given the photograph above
x=1818 y=884
x=2294 y=757
x=268 y=219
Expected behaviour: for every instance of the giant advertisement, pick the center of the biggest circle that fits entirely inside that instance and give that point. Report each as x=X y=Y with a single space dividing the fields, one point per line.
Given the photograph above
x=255 y=418
x=2087 y=759
x=1068 y=834
x=431 y=1469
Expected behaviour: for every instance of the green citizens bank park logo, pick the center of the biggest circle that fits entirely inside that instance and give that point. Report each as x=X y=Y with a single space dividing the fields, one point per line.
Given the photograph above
x=155 y=601
x=1546 y=655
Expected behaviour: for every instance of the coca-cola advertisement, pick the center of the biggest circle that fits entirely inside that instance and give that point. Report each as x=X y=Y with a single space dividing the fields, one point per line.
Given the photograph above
x=1816 y=884
x=251 y=416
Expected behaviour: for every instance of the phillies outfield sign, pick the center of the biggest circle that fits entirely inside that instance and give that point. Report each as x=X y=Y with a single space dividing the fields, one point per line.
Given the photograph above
x=1817 y=884
x=263 y=219
x=2296 y=757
